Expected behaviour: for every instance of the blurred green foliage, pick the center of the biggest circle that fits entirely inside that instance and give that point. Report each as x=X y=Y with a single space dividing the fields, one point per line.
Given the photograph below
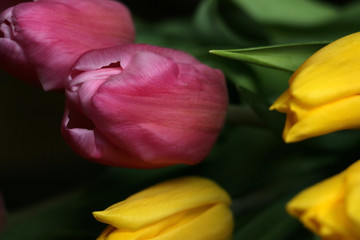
x=50 y=192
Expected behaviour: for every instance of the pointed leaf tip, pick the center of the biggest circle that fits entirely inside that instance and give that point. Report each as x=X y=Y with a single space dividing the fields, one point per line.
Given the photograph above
x=286 y=57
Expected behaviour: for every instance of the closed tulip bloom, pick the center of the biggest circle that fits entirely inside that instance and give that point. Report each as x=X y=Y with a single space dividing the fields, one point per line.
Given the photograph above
x=186 y=208
x=331 y=208
x=41 y=40
x=143 y=106
x=323 y=95
x=5 y=4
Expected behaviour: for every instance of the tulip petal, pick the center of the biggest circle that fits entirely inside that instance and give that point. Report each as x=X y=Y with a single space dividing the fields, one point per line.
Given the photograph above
x=147 y=232
x=207 y=224
x=86 y=84
x=153 y=230
x=302 y=123
x=321 y=207
x=122 y=102
x=353 y=196
x=331 y=207
x=107 y=231
x=323 y=92
x=169 y=102
x=79 y=135
x=154 y=84
x=53 y=34
x=5 y=4
x=330 y=74
x=11 y=52
x=161 y=201
x=316 y=195
x=122 y=55
x=87 y=141
x=181 y=226
x=282 y=103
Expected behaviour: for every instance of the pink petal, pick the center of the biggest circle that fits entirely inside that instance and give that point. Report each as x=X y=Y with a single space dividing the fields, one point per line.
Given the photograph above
x=99 y=58
x=154 y=111
x=79 y=134
x=5 y=4
x=53 y=34
x=12 y=57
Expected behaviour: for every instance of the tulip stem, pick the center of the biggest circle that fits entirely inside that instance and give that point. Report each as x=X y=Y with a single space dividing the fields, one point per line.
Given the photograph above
x=243 y=115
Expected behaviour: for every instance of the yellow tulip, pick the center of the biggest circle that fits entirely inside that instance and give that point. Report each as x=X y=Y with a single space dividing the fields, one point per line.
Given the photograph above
x=323 y=94
x=189 y=208
x=331 y=208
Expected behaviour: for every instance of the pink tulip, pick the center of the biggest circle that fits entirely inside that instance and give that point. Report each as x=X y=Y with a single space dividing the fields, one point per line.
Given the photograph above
x=142 y=106
x=41 y=40
x=5 y=4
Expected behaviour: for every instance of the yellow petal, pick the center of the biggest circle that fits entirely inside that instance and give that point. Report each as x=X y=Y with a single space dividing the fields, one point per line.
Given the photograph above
x=282 y=103
x=304 y=123
x=331 y=208
x=330 y=74
x=107 y=231
x=214 y=224
x=321 y=208
x=316 y=196
x=204 y=223
x=161 y=201
x=353 y=196
x=148 y=232
x=328 y=220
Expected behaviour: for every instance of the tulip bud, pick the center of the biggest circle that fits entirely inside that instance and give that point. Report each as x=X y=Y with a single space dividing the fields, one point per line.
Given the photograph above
x=323 y=95
x=5 y=4
x=331 y=208
x=41 y=40
x=184 y=208
x=143 y=106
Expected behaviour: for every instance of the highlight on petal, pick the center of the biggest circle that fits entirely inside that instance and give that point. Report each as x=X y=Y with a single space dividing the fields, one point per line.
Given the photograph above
x=330 y=208
x=330 y=74
x=186 y=208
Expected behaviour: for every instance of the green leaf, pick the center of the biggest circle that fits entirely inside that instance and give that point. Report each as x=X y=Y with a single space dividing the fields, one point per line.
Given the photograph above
x=295 y=13
x=286 y=57
x=346 y=22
